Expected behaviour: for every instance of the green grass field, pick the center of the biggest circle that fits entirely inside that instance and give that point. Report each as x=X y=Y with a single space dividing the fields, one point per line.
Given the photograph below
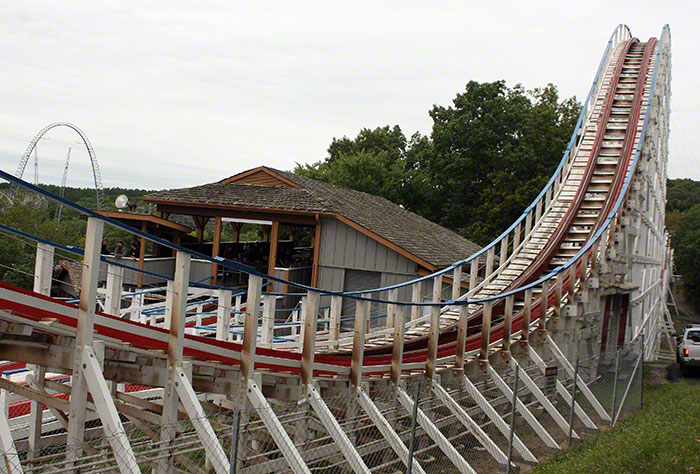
x=664 y=438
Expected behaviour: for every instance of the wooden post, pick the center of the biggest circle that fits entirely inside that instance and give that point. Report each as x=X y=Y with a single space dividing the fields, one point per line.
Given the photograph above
x=486 y=331
x=309 y=347
x=416 y=311
x=43 y=271
x=43 y=268
x=223 y=315
x=272 y=256
x=250 y=330
x=142 y=254
x=527 y=316
x=113 y=298
x=434 y=334
x=400 y=313
x=504 y=251
x=462 y=327
x=317 y=253
x=215 y=249
x=236 y=229
x=544 y=304
x=507 y=323
x=457 y=283
x=334 y=325
x=358 y=342
x=473 y=275
x=268 y=319
x=84 y=337
x=393 y=295
x=490 y=256
x=176 y=240
x=516 y=236
x=176 y=338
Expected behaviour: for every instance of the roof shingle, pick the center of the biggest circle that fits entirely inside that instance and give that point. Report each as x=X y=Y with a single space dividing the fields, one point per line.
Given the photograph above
x=419 y=236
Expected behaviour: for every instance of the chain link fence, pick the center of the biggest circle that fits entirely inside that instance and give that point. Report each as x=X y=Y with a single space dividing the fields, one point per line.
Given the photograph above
x=443 y=425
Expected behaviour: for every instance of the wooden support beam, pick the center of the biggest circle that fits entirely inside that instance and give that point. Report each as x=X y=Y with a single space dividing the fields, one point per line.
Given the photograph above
x=215 y=249
x=84 y=336
x=457 y=282
x=434 y=334
x=272 y=256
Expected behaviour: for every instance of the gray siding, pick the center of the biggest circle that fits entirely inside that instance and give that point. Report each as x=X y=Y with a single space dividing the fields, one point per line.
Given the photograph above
x=344 y=247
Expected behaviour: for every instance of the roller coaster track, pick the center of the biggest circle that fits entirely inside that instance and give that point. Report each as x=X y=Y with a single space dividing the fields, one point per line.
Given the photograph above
x=594 y=235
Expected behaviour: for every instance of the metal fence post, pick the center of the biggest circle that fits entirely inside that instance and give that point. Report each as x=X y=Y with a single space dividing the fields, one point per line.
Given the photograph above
x=641 y=378
x=512 y=418
x=414 y=418
x=234 y=440
x=614 y=394
x=573 y=401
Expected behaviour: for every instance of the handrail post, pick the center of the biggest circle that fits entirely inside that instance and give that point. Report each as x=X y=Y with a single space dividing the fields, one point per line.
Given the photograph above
x=113 y=296
x=268 y=319
x=544 y=304
x=416 y=296
x=485 y=331
x=527 y=317
x=223 y=315
x=358 y=343
x=397 y=349
x=334 y=324
x=309 y=347
x=434 y=335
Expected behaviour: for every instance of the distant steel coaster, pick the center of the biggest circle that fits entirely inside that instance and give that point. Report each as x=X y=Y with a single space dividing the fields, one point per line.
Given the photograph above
x=99 y=193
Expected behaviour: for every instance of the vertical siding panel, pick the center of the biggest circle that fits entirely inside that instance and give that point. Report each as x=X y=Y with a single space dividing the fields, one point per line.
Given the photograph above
x=351 y=238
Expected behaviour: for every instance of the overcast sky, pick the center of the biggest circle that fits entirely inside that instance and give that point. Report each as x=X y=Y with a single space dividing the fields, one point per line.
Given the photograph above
x=175 y=96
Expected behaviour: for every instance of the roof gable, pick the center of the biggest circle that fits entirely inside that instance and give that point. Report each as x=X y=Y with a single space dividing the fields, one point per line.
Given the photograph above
x=260 y=176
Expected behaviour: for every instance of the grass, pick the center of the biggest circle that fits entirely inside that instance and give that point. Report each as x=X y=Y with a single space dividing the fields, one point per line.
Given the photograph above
x=664 y=437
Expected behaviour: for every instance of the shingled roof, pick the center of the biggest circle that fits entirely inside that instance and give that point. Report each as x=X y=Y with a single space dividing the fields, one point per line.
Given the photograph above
x=416 y=235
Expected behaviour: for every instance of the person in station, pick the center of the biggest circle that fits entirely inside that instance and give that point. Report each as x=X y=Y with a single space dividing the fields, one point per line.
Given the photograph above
x=105 y=247
x=134 y=250
x=120 y=250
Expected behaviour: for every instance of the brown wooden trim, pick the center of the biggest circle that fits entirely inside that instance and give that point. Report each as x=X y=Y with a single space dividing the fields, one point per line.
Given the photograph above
x=317 y=253
x=239 y=176
x=132 y=216
x=215 y=248
x=303 y=218
x=236 y=228
x=272 y=255
x=385 y=242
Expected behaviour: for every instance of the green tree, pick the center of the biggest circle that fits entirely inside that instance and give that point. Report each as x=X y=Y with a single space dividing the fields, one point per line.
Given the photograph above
x=380 y=161
x=494 y=150
x=686 y=244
